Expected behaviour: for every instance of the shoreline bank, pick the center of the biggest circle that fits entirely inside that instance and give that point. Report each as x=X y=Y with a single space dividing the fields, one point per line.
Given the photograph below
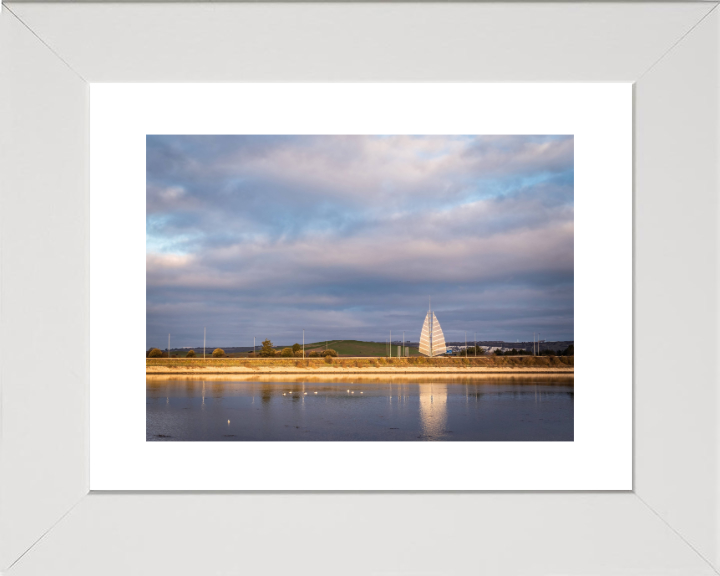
x=356 y=378
x=336 y=370
x=484 y=365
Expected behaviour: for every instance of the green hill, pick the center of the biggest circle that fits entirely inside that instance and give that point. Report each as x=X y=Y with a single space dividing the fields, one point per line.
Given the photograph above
x=358 y=348
x=342 y=347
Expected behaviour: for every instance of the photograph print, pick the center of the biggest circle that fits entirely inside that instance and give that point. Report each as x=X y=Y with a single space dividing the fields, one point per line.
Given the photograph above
x=355 y=288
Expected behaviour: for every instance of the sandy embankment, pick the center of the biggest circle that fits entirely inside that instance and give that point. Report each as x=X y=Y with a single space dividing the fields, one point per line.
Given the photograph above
x=337 y=370
x=356 y=378
x=361 y=366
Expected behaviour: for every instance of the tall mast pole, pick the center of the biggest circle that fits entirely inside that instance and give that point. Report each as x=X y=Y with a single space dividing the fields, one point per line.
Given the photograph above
x=431 y=333
x=204 y=335
x=303 y=343
x=430 y=325
x=168 y=345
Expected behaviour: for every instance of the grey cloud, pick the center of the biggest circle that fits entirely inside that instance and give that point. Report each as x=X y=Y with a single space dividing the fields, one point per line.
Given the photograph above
x=344 y=235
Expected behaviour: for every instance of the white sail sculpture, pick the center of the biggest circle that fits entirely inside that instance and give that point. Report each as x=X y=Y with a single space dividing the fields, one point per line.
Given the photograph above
x=432 y=341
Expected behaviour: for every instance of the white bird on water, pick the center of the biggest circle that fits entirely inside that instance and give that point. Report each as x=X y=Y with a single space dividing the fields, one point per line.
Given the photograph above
x=228 y=421
x=315 y=392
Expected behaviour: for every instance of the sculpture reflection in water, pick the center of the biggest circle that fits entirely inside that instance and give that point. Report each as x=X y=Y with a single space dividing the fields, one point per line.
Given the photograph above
x=433 y=408
x=472 y=409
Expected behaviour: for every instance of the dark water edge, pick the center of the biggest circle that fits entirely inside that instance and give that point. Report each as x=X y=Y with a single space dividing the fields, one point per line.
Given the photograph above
x=451 y=409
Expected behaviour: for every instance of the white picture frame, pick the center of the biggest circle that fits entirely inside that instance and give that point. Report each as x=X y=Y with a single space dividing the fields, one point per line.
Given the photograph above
x=49 y=53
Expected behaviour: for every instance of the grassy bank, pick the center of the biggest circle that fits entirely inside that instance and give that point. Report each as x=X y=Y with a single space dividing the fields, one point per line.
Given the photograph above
x=413 y=364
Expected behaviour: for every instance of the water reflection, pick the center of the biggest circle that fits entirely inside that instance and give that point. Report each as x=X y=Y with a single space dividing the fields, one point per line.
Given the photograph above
x=433 y=408
x=452 y=409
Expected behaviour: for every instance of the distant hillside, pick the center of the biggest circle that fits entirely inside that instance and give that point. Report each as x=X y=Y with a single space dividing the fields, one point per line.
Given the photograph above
x=342 y=347
x=360 y=348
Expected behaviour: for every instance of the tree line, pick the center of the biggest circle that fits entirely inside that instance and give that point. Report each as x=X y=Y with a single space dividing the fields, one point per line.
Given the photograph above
x=479 y=351
x=569 y=351
x=268 y=350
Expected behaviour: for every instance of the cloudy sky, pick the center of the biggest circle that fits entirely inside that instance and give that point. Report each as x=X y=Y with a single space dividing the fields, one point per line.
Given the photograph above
x=347 y=236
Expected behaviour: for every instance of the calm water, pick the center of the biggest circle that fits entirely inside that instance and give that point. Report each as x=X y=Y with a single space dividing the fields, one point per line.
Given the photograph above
x=451 y=409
